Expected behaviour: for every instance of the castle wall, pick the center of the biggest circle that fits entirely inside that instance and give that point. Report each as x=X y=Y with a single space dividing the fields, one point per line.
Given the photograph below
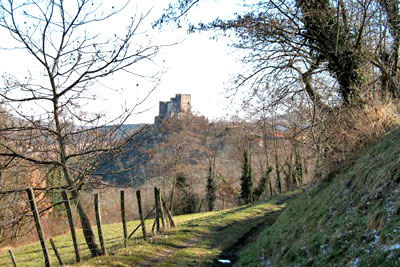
x=179 y=104
x=171 y=108
x=163 y=109
x=185 y=103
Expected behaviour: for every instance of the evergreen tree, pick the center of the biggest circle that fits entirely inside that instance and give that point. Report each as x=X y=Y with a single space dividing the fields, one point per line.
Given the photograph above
x=181 y=182
x=298 y=171
x=211 y=188
x=187 y=201
x=262 y=185
x=246 y=180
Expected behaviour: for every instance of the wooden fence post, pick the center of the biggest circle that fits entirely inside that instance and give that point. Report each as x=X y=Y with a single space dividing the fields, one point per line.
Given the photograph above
x=35 y=213
x=157 y=217
x=162 y=215
x=53 y=245
x=98 y=222
x=137 y=227
x=71 y=224
x=123 y=216
x=139 y=199
x=12 y=257
x=171 y=221
x=154 y=225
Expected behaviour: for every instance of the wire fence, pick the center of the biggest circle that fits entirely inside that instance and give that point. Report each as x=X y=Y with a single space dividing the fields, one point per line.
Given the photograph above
x=57 y=216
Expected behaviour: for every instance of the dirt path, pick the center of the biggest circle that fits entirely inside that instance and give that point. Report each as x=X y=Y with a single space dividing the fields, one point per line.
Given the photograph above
x=202 y=241
x=231 y=254
x=200 y=251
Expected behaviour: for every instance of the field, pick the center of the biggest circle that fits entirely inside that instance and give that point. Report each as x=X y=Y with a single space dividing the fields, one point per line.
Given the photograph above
x=198 y=239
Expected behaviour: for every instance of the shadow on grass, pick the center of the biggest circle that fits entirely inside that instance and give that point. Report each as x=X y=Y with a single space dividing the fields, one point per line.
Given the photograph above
x=220 y=240
x=193 y=243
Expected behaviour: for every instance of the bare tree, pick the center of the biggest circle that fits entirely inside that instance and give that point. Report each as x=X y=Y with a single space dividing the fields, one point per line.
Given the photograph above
x=212 y=144
x=388 y=58
x=291 y=46
x=180 y=150
x=50 y=126
x=326 y=55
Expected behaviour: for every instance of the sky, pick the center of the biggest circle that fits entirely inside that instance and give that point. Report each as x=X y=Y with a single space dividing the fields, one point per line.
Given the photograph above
x=197 y=65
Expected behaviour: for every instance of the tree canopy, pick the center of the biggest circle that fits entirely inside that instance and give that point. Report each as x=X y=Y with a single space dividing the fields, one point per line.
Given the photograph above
x=329 y=52
x=50 y=126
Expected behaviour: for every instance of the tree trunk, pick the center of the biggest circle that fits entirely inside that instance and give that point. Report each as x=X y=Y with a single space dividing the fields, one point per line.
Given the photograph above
x=84 y=219
x=278 y=173
x=171 y=207
x=270 y=187
x=345 y=58
x=86 y=227
x=391 y=8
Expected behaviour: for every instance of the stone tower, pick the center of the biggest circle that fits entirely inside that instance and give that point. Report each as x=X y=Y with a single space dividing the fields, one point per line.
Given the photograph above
x=184 y=102
x=177 y=106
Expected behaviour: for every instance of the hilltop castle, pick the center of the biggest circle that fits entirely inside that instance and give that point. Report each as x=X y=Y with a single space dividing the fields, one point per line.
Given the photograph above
x=177 y=106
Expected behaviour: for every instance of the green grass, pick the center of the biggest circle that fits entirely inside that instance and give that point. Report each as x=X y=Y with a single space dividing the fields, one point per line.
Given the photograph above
x=349 y=219
x=195 y=242
x=31 y=255
x=197 y=239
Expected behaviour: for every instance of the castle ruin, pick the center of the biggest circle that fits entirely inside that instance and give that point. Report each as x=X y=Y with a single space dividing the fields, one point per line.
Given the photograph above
x=177 y=106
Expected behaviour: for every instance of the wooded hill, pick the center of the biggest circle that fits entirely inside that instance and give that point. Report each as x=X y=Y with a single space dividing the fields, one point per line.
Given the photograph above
x=189 y=146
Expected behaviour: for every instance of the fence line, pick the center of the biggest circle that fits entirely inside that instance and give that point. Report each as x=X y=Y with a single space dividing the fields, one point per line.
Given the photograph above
x=161 y=215
x=71 y=225
x=69 y=188
x=12 y=257
x=139 y=200
x=123 y=217
x=150 y=212
x=53 y=245
x=98 y=223
x=32 y=201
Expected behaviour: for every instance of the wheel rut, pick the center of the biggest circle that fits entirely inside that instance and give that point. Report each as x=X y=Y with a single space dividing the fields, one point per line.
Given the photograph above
x=229 y=256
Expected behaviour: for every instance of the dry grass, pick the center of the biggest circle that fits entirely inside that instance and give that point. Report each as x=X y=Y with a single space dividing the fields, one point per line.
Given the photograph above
x=373 y=121
x=345 y=131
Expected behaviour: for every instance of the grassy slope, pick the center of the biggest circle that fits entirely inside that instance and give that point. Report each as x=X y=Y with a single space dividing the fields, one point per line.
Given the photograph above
x=31 y=255
x=350 y=219
x=197 y=240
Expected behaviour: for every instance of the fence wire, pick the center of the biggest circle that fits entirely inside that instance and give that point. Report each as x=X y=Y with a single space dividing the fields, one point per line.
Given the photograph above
x=17 y=225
